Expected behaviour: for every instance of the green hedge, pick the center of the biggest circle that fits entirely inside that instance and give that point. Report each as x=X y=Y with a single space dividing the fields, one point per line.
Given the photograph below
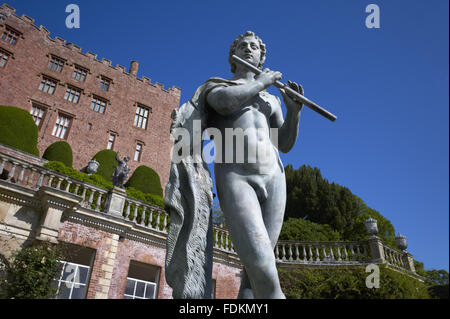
x=18 y=130
x=93 y=179
x=59 y=151
x=146 y=180
x=304 y=230
x=147 y=198
x=349 y=284
x=107 y=163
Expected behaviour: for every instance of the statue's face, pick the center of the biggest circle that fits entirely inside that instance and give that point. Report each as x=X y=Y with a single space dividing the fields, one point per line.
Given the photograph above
x=249 y=50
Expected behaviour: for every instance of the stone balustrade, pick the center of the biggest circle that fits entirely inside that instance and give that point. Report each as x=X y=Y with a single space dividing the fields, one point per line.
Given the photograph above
x=145 y=216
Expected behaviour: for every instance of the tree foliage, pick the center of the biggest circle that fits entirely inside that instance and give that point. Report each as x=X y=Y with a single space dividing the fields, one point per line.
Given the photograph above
x=18 y=130
x=31 y=273
x=349 y=284
x=305 y=230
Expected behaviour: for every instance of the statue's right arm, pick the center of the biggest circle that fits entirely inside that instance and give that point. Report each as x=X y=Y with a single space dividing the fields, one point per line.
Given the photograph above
x=229 y=99
x=226 y=100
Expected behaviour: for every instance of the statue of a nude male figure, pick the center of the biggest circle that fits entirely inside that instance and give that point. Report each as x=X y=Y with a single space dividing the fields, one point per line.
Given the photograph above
x=252 y=193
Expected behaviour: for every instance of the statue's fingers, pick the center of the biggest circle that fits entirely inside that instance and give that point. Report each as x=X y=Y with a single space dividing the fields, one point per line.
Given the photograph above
x=301 y=90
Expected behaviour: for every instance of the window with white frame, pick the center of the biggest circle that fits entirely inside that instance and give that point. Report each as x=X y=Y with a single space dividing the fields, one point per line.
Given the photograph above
x=105 y=83
x=56 y=64
x=72 y=281
x=10 y=36
x=111 y=140
x=98 y=105
x=141 y=117
x=138 y=152
x=142 y=281
x=72 y=94
x=47 y=85
x=79 y=73
x=37 y=112
x=61 y=127
x=4 y=56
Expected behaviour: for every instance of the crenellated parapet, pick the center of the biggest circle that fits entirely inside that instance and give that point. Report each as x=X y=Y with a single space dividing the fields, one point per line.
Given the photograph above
x=7 y=11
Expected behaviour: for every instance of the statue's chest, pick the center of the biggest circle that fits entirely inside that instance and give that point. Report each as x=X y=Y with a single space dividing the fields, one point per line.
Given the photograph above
x=263 y=103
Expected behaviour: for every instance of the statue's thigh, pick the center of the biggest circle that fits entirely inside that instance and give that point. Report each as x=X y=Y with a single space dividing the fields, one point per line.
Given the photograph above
x=243 y=216
x=274 y=206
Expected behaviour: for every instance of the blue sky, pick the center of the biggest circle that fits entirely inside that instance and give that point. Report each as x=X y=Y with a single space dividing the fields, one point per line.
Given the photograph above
x=388 y=86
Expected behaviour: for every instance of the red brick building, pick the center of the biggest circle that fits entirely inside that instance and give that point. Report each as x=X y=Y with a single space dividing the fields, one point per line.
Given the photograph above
x=91 y=104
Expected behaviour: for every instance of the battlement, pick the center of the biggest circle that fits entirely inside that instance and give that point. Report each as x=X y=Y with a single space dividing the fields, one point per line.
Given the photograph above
x=9 y=11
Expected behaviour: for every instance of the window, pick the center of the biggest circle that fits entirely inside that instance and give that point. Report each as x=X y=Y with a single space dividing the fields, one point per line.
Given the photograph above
x=47 y=85
x=10 y=36
x=73 y=279
x=112 y=138
x=137 y=153
x=141 y=117
x=38 y=114
x=72 y=94
x=79 y=74
x=142 y=281
x=56 y=64
x=4 y=56
x=61 y=126
x=98 y=104
x=105 y=83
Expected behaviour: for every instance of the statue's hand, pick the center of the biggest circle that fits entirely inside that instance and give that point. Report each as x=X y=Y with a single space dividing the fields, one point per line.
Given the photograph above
x=268 y=77
x=289 y=98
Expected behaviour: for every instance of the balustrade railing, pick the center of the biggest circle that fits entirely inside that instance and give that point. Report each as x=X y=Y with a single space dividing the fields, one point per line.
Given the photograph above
x=322 y=252
x=152 y=217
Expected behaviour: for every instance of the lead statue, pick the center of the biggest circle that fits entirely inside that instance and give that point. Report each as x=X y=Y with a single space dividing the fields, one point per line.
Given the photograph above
x=120 y=171
x=250 y=180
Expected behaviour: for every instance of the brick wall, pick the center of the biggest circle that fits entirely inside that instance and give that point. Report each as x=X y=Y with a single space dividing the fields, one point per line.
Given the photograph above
x=22 y=75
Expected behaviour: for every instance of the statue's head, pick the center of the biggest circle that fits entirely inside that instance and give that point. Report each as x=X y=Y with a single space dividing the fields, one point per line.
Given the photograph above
x=126 y=159
x=234 y=46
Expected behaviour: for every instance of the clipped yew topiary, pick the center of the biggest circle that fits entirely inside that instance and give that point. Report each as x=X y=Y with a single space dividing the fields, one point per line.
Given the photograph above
x=18 y=130
x=146 y=180
x=107 y=162
x=59 y=151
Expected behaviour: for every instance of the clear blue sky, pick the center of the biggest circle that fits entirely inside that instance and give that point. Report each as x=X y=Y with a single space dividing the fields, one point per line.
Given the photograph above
x=388 y=86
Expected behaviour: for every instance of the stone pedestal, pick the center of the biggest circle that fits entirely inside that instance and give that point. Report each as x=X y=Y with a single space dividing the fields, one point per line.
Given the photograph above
x=53 y=202
x=115 y=201
x=376 y=250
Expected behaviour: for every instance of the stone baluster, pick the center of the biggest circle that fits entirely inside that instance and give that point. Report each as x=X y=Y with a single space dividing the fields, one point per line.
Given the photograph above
x=317 y=253
x=338 y=253
x=135 y=212
x=127 y=213
x=144 y=209
x=344 y=247
x=83 y=194
x=283 y=251
x=91 y=198
x=21 y=174
x=40 y=180
x=99 y=202
x=290 y=252
x=50 y=180
x=352 y=253
x=68 y=185
x=150 y=218
x=310 y=253
x=2 y=165
x=331 y=253
x=324 y=253
x=77 y=187
x=218 y=237
x=305 y=256
x=277 y=252
x=165 y=222
x=31 y=177
x=58 y=186
x=297 y=254
x=12 y=171
x=158 y=219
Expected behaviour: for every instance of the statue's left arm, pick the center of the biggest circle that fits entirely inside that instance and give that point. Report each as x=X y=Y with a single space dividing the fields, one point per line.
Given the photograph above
x=288 y=128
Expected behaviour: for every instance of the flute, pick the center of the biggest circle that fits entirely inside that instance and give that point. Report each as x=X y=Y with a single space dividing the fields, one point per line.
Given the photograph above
x=297 y=96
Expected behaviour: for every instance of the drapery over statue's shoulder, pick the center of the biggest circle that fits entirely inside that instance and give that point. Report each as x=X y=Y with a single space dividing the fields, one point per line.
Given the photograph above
x=188 y=200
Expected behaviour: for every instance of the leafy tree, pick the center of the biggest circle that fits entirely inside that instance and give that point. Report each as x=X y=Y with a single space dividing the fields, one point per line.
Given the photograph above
x=305 y=230
x=31 y=273
x=217 y=214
